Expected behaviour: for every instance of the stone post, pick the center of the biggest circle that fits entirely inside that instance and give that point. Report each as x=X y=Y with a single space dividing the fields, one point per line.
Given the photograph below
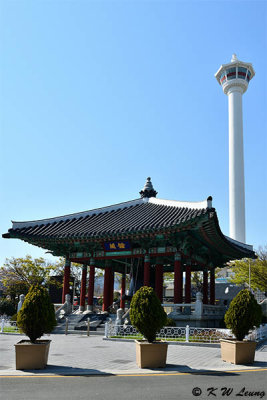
x=21 y=301
x=199 y=305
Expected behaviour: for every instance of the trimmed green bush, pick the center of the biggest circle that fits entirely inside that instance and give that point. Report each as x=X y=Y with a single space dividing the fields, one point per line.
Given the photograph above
x=147 y=313
x=37 y=314
x=243 y=314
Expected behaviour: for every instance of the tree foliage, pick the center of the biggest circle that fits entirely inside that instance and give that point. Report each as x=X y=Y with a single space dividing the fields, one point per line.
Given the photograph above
x=147 y=313
x=243 y=314
x=258 y=271
x=7 y=307
x=19 y=274
x=37 y=314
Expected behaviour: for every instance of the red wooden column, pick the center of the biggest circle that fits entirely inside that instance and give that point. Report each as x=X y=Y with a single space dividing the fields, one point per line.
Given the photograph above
x=66 y=282
x=106 y=297
x=188 y=283
x=159 y=280
x=178 y=279
x=111 y=287
x=147 y=270
x=83 y=288
x=212 y=286
x=91 y=285
x=205 y=286
x=122 y=301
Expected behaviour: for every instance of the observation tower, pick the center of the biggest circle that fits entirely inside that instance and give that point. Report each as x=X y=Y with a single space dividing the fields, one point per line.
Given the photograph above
x=234 y=79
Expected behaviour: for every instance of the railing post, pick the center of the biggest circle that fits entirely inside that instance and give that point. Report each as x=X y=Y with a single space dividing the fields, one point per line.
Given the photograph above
x=106 y=329
x=2 y=325
x=187 y=333
x=67 y=326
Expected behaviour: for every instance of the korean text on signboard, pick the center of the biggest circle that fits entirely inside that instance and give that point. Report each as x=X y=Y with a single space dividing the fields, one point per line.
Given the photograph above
x=117 y=245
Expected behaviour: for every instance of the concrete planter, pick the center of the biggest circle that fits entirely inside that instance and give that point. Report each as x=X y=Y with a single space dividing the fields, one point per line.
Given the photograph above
x=151 y=355
x=32 y=355
x=237 y=352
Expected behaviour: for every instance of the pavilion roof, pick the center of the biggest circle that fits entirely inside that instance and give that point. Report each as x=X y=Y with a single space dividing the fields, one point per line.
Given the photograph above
x=146 y=216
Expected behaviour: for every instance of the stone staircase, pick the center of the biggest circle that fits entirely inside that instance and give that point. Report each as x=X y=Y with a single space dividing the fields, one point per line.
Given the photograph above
x=77 y=323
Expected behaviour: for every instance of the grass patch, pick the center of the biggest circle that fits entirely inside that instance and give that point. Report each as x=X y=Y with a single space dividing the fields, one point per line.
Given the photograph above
x=194 y=339
x=10 y=329
x=139 y=337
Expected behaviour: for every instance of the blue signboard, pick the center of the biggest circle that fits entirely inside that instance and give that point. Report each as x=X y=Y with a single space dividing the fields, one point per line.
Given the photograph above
x=117 y=245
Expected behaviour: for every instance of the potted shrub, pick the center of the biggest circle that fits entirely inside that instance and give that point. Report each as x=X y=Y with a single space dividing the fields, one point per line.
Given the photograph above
x=148 y=316
x=243 y=314
x=36 y=317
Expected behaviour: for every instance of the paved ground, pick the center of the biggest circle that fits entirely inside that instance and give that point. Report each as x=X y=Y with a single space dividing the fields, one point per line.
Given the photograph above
x=82 y=355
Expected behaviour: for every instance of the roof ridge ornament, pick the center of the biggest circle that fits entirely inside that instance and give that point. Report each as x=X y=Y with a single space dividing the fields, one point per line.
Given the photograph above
x=234 y=58
x=209 y=202
x=148 y=190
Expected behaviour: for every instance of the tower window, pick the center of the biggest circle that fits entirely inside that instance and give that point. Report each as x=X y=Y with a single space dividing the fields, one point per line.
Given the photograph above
x=231 y=73
x=223 y=77
x=242 y=72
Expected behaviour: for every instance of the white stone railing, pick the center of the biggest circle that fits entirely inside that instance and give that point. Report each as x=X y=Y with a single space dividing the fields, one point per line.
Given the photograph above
x=183 y=334
x=7 y=326
x=197 y=309
x=209 y=309
x=65 y=308
x=258 y=333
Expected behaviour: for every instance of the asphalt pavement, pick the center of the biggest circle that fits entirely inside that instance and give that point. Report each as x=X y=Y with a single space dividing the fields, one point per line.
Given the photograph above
x=173 y=386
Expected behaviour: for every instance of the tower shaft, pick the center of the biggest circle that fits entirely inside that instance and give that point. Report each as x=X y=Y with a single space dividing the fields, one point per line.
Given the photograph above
x=236 y=166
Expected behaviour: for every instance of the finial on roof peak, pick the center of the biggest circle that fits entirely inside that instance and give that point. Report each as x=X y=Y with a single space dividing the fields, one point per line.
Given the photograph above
x=148 y=190
x=234 y=58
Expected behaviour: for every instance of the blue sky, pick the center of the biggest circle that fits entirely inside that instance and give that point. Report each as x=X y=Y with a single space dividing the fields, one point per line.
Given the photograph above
x=98 y=95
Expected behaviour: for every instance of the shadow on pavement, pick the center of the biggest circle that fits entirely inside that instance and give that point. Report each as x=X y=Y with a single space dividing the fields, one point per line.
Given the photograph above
x=65 y=371
x=262 y=364
x=185 y=369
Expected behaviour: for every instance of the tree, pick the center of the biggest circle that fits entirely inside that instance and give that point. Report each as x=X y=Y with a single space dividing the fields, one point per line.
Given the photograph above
x=197 y=281
x=258 y=271
x=19 y=274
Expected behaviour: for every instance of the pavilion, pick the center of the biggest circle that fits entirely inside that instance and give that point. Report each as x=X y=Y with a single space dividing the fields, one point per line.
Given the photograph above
x=144 y=237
